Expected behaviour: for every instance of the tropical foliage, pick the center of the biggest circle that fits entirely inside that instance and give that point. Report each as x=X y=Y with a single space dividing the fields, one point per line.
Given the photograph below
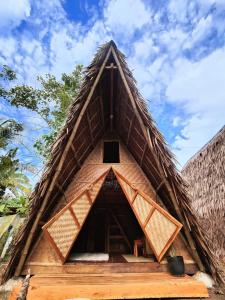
x=51 y=102
x=17 y=205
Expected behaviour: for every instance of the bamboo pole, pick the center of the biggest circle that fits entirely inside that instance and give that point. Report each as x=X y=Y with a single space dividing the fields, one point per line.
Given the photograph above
x=160 y=168
x=58 y=170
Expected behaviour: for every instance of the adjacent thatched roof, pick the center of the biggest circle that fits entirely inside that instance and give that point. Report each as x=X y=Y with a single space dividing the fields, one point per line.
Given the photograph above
x=153 y=156
x=205 y=172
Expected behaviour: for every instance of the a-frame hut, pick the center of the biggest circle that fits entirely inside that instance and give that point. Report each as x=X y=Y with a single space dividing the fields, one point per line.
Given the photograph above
x=110 y=187
x=205 y=173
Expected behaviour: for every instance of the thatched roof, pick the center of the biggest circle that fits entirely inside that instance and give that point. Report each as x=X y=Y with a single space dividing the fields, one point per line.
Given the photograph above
x=205 y=172
x=89 y=117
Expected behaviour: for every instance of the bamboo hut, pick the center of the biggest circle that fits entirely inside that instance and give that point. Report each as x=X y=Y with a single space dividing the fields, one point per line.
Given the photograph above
x=205 y=173
x=110 y=204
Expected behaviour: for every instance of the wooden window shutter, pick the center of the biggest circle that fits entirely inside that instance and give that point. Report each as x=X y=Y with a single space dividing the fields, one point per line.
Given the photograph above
x=159 y=227
x=63 y=229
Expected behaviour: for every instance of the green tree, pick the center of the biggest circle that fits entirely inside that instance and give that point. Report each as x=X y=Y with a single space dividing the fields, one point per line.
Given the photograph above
x=51 y=101
x=10 y=176
x=8 y=162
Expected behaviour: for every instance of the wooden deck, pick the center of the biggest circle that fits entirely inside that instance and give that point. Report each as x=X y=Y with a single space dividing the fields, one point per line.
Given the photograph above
x=112 y=286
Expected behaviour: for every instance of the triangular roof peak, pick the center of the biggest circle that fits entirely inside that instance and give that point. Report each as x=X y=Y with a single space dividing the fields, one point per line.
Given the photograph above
x=110 y=101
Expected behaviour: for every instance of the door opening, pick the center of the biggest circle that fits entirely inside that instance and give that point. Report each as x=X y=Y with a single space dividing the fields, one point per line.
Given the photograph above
x=111 y=227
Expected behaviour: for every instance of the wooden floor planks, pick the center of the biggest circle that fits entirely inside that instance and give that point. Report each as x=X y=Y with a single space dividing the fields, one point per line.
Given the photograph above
x=113 y=286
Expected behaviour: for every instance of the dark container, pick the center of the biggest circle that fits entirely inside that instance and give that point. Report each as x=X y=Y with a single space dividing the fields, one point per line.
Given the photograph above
x=176 y=265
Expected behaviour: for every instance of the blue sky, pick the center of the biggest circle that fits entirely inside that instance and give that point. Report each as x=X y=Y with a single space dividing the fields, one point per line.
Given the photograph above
x=175 y=48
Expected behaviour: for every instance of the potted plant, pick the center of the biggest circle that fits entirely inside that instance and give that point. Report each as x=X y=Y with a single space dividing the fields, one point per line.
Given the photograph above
x=175 y=263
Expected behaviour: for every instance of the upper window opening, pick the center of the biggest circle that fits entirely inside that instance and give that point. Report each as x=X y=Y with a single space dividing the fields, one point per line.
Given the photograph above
x=111 y=152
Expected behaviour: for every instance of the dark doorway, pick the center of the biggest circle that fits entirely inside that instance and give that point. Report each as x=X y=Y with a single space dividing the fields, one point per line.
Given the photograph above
x=111 y=226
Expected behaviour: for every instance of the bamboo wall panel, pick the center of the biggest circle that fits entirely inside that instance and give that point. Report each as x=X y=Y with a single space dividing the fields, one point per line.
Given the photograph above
x=90 y=173
x=63 y=238
x=142 y=208
x=159 y=229
x=75 y=189
x=81 y=208
x=128 y=190
x=95 y=188
x=125 y=156
x=96 y=155
x=136 y=177
x=63 y=229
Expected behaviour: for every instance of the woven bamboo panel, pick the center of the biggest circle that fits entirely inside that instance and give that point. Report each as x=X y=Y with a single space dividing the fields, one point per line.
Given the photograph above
x=131 y=173
x=159 y=230
x=81 y=208
x=145 y=188
x=125 y=156
x=95 y=188
x=142 y=208
x=63 y=238
x=75 y=190
x=129 y=192
x=90 y=173
x=96 y=155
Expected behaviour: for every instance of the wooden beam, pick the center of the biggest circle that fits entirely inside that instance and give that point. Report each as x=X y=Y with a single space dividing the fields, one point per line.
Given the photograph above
x=170 y=190
x=75 y=155
x=111 y=116
x=135 y=195
x=89 y=197
x=121 y=229
x=159 y=186
x=74 y=217
x=143 y=154
x=149 y=216
x=101 y=268
x=111 y=66
x=130 y=127
x=102 y=110
x=89 y=127
x=59 y=167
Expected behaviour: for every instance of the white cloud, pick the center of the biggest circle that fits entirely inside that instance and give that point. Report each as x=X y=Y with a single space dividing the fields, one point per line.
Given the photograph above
x=53 y=43
x=69 y=49
x=199 y=88
x=178 y=10
x=145 y=48
x=8 y=46
x=12 y=12
x=125 y=16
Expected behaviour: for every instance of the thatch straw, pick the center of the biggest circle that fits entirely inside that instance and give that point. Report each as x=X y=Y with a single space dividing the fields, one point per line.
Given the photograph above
x=205 y=173
x=159 y=148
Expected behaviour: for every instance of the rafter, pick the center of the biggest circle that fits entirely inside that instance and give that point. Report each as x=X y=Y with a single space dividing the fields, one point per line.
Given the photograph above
x=130 y=127
x=111 y=96
x=89 y=127
x=143 y=154
x=75 y=155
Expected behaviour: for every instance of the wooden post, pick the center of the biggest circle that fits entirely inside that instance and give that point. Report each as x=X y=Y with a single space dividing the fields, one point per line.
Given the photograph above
x=130 y=128
x=89 y=127
x=111 y=98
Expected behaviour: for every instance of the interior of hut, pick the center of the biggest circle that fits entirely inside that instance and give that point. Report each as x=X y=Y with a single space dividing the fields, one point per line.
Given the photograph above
x=111 y=231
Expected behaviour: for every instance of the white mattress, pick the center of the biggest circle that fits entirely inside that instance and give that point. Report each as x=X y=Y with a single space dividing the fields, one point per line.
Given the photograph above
x=89 y=257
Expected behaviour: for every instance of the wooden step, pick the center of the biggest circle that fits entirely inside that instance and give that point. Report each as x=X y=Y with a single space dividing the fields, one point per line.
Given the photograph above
x=112 y=286
x=99 y=268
